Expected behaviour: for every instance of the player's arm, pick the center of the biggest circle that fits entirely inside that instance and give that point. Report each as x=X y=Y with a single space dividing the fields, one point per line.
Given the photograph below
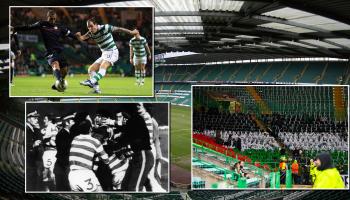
x=102 y=154
x=82 y=37
x=149 y=55
x=68 y=33
x=131 y=54
x=29 y=27
x=124 y=30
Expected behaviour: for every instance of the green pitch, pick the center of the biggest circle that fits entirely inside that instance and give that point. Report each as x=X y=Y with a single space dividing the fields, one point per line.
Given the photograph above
x=110 y=86
x=181 y=136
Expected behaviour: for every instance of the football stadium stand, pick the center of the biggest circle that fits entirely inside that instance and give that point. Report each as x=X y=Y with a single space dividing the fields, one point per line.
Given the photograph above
x=261 y=124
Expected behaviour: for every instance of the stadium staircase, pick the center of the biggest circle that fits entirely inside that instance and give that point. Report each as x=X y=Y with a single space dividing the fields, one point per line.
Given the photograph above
x=260 y=124
x=264 y=108
x=249 y=75
x=258 y=78
x=299 y=76
x=280 y=75
x=193 y=74
x=218 y=76
x=318 y=79
x=347 y=79
x=339 y=104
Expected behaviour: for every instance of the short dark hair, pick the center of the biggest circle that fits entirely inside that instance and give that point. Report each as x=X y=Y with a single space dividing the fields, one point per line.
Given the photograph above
x=50 y=117
x=92 y=19
x=51 y=12
x=84 y=127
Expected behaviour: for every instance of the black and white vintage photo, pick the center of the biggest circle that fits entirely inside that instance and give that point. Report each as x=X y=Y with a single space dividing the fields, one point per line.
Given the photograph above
x=97 y=147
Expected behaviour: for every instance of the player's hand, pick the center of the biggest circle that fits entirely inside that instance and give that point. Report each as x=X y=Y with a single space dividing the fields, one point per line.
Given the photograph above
x=134 y=32
x=109 y=122
x=37 y=143
x=149 y=57
x=78 y=36
x=131 y=61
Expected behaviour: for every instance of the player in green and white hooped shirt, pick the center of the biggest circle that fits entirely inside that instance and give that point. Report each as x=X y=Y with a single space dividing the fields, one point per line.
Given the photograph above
x=139 y=51
x=102 y=34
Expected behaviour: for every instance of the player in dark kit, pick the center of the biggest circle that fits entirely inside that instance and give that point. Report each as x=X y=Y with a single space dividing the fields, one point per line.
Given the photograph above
x=136 y=135
x=51 y=33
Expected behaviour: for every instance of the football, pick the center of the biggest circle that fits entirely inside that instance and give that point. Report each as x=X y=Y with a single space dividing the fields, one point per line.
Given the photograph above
x=61 y=87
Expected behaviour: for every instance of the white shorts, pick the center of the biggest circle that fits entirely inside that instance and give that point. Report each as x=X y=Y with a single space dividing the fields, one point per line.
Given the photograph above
x=138 y=61
x=49 y=158
x=84 y=180
x=110 y=56
x=12 y=55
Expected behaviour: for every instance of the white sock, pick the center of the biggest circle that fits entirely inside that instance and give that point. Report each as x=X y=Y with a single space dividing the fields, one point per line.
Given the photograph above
x=143 y=75
x=138 y=75
x=92 y=74
x=99 y=75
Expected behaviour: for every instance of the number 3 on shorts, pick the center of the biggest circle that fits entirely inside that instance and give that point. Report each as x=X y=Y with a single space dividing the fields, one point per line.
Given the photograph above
x=90 y=186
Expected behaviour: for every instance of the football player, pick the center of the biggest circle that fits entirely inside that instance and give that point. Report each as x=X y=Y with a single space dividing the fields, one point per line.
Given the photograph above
x=102 y=35
x=49 y=156
x=83 y=150
x=139 y=53
x=51 y=32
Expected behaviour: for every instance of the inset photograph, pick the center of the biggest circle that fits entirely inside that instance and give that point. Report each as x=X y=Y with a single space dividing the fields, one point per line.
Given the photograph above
x=270 y=137
x=81 y=51
x=97 y=147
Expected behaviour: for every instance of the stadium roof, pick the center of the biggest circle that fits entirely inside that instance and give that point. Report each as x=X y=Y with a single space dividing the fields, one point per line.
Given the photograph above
x=245 y=29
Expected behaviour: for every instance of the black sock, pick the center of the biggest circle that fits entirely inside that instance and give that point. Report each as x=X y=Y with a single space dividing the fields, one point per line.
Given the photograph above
x=57 y=74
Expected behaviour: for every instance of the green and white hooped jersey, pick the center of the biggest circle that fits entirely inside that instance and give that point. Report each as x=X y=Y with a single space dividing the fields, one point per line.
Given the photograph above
x=138 y=47
x=104 y=37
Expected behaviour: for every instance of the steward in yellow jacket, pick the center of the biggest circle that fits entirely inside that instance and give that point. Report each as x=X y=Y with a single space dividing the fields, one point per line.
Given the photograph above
x=327 y=176
x=313 y=171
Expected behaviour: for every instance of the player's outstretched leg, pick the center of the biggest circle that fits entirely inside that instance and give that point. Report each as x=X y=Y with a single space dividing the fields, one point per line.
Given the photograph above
x=92 y=82
x=92 y=72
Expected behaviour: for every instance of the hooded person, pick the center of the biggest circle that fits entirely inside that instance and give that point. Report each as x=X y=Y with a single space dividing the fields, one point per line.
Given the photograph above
x=328 y=176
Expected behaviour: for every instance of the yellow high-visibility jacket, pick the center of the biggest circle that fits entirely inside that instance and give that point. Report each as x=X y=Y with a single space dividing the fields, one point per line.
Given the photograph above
x=313 y=171
x=329 y=178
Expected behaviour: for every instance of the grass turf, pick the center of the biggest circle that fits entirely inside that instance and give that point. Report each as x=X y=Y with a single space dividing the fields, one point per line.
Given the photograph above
x=181 y=136
x=110 y=86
